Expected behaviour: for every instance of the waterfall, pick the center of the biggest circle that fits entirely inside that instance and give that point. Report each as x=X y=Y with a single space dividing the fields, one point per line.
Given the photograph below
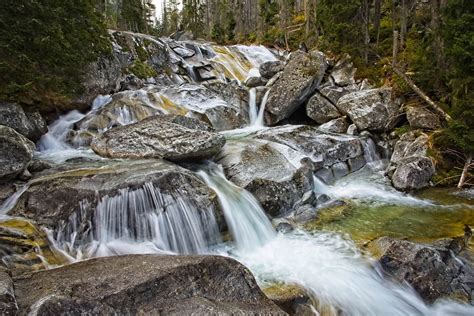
x=143 y=220
x=246 y=219
x=320 y=187
x=253 y=106
x=55 y=139
x=260 y=122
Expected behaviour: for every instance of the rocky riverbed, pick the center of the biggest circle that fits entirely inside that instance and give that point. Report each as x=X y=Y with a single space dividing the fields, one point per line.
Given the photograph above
x=218 y=172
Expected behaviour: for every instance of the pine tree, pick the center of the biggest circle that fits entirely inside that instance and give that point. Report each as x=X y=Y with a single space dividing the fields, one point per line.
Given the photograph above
x=44 y=47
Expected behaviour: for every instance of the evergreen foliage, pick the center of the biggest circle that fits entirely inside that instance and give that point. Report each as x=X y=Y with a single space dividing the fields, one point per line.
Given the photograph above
x=44 y=47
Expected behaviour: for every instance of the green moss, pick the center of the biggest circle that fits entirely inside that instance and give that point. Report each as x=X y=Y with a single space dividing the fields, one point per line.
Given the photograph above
x=141 y=53
x=141 y=69
x=399 y=131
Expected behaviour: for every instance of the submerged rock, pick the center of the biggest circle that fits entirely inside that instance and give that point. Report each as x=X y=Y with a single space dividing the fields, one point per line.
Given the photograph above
x=29 y=124
x=434 y=271
x=298 y=81
x=145 y=284
x=157 y=138
x=372 y=110
x=16 y=152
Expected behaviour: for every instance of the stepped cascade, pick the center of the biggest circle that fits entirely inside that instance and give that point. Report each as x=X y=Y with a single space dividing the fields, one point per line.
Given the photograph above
x=294 y=178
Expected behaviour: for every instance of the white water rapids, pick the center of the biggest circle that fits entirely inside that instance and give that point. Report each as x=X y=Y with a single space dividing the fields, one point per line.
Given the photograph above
x=145 y=220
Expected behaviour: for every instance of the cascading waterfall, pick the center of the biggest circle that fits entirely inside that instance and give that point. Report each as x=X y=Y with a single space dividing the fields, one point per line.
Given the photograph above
x=253 y=113
x=327 y=265
x=247 y=221
x=143 y=220
x=55 y=139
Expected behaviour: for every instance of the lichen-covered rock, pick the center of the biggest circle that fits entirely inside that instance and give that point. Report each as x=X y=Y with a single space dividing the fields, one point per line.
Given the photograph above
x=145 y=284
x=433 y=270
x=372 y=110
x=328 y=149
x=338 y=125
x=8 y=304
x=270 y=171
x=343 y=72
x=155 y=137
x=298 y=81
x=29 y=124
x=52 y=199
x=421 y=118
x=16 y=152
x=410 y=167
x=271 y=68
x=321 y=109
x=413 y=173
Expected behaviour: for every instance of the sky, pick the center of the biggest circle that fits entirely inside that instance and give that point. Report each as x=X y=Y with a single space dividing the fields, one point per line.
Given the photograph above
x=159 y=6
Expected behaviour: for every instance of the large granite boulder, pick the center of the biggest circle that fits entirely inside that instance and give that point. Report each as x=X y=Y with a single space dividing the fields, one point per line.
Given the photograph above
x=271 y=68
x=342 y=74
x=410 y=166
x=421 y=118
x=16 y=152
x=338 y=125
x=433 y=270
x=8 y=304
x=298 y=81
x=413 y=173
x=328 y=149
x=110 y=200
x=321 y=109
x=155 y=137
x=30 y=124
x=372 y=110
x=144 y=284
x=270 y=171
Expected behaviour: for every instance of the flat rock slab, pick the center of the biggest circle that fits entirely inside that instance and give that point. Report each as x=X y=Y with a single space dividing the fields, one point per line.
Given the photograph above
x=157 y=138
x=145 y=284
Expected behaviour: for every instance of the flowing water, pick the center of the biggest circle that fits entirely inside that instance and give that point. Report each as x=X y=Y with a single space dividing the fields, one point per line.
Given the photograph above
x=142 y=220
x=323 y=257
x=327 y=265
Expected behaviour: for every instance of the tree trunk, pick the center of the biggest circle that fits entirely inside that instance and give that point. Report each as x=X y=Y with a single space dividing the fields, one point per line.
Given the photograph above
x=377 y=12
x=465 y=171
x=421 y=94
x=365 y=7
x=403 y=23
x=395 y=49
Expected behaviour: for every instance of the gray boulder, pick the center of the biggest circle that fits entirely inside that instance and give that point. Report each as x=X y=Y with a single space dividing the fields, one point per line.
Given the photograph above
x=319 y=146
x=372 y=110
x=30 y=124
x=145 y=284
x=343 y=72
x=65 y=198
x=433 y=270
x=155 y=137
x=421 y=118
x=271 y=68
x=321 y=109
x=338 y=125
x=16 y=152
x=410 y=168
x=413 y=173
x=298 y=81
x=253 y=82
x=268 y=170
x=8 y=304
